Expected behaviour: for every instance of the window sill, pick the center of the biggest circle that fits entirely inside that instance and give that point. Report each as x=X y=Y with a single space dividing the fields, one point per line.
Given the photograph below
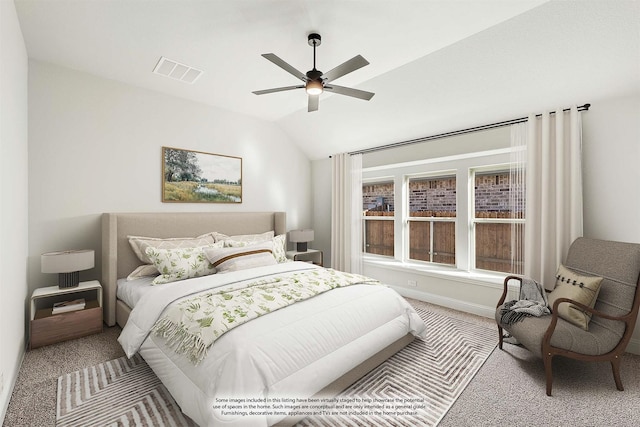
x=482 y=278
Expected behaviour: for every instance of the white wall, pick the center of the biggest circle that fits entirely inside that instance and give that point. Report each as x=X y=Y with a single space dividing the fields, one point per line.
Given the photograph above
x=611 y=154
x=13 y=199
x=611 y=172
x=95 y=146
x=321 y=202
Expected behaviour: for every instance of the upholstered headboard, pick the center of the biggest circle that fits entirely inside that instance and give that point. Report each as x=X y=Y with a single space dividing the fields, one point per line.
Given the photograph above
x=118 y=259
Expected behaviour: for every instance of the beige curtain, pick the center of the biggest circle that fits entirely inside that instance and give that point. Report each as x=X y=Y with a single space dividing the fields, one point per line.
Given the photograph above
x=517 y=181
x=554 y=191
x=346 y=213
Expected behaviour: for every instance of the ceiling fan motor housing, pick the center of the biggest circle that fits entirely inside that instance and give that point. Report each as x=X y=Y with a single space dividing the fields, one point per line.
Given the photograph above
x=314 y=39
x=314 y=74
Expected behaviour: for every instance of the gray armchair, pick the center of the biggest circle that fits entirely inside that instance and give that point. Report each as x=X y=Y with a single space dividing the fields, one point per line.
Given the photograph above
x=613 y=317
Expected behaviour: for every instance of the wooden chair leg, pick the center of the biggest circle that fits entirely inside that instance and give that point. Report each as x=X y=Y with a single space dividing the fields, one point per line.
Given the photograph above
x=548 y=371
x=615 y=366
x=500 y=337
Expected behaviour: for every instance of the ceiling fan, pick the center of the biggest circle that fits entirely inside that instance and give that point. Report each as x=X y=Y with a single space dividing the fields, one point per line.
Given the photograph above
x=315 y=81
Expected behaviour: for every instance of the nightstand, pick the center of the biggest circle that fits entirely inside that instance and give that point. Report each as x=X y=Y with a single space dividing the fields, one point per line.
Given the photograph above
x=311 y=255
x=47 y=328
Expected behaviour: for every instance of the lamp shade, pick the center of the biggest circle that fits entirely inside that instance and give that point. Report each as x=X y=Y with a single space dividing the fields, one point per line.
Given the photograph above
x=301 y=237
x=67 y=264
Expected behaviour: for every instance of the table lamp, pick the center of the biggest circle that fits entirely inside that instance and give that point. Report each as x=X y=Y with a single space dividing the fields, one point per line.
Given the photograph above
x=301 y=238
x=68 y=265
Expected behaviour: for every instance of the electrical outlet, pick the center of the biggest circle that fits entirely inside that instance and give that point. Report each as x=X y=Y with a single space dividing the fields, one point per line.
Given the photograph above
x=412 y=283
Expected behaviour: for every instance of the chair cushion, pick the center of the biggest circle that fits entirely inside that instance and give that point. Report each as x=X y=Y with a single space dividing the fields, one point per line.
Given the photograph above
x=530 y=331
x=619 y=264
x=582 y=289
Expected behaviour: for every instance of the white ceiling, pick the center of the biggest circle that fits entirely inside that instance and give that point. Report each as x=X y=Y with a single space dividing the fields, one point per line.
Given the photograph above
x=436 y=65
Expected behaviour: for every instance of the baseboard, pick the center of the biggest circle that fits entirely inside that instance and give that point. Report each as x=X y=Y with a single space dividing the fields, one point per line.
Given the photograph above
x=467 y=307
x=481 y=310
x=7 y=392
x=634 y=345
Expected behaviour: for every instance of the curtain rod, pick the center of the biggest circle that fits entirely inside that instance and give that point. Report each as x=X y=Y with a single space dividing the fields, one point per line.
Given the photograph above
x=584 y=107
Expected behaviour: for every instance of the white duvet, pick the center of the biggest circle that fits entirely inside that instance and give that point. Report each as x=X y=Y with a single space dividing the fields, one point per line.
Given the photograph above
x=291 y=353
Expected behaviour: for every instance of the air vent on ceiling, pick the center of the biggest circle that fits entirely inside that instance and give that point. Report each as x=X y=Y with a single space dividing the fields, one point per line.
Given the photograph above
x=170 y=68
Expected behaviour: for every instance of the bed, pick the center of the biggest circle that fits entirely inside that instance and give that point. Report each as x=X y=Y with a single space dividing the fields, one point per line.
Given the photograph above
x=311 y=348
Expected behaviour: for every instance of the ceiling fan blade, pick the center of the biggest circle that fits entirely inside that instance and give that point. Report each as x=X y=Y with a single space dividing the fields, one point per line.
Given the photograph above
x=277 y=89
x=313 y=103
x=346 y=67
x=356 y=93
x=285 y=66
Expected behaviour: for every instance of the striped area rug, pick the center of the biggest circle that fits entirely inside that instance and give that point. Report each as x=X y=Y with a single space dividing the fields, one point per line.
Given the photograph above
x=120 y=392
x=421 y=381
x=419 y=384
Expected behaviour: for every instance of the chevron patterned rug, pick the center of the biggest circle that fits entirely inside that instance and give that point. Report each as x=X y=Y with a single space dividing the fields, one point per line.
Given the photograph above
x=416 y=386
x=120 y=392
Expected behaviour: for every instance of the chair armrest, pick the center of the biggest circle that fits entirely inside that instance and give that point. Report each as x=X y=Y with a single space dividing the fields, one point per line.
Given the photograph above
x=627 y=318
x=583 y=307
x=504 y=292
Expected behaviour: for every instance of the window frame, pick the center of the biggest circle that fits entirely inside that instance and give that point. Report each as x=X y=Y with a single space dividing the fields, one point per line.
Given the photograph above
x=450 y=173
x=462 y=164
x=365 y=218
x=475 y=221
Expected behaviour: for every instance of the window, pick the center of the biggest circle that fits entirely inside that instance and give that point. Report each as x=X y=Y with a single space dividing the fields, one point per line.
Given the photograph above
x=432 y=215
x=464 y=211
x=499 y=220
x=378 y=207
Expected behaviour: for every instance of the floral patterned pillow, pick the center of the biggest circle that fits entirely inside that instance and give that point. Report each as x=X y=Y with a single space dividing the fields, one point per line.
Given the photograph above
x=140 y=244
x=279 y=248
x=180 y=263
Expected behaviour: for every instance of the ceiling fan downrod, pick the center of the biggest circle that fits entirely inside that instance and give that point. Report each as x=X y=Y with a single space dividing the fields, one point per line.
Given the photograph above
x=314 y=84
x=314 y=40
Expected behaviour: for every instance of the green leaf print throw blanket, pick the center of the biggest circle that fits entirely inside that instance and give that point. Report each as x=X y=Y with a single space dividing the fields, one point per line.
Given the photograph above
x=190 y=326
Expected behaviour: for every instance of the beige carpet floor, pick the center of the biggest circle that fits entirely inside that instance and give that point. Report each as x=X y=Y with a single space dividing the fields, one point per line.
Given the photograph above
x=33 y=402
x=508 y=389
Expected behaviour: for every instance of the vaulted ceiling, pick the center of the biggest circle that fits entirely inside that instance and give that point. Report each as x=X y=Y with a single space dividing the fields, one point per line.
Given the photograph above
x=435 y=65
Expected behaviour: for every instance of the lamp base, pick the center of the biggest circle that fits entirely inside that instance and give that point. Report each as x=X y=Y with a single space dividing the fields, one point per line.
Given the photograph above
x=68 y=280
x=301 y=246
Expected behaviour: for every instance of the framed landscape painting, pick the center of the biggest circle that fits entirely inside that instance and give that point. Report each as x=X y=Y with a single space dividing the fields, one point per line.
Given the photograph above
x=197 y=177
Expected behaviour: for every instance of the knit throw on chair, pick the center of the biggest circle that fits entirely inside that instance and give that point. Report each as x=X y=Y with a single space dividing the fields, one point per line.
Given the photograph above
x=532 y=302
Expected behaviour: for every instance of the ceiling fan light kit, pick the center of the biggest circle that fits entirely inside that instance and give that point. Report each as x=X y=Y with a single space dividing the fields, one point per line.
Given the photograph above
x=315 y=81
x=314 y=87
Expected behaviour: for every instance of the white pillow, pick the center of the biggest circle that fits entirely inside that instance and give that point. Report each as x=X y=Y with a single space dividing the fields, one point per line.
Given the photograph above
x=143 y=271
x=140 y=244
x=249 y=238
x=242 y=258
x=180 y=263
x=279 y=250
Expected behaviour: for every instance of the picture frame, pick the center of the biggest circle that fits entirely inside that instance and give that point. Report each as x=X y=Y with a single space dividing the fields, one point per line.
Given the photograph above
x=190 y=176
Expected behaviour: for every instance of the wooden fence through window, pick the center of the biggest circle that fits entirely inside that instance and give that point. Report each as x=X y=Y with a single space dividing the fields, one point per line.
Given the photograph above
x=379 y=235
x=494 y=241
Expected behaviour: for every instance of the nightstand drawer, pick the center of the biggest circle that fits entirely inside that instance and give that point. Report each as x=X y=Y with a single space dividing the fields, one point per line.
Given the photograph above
x=48 y=329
